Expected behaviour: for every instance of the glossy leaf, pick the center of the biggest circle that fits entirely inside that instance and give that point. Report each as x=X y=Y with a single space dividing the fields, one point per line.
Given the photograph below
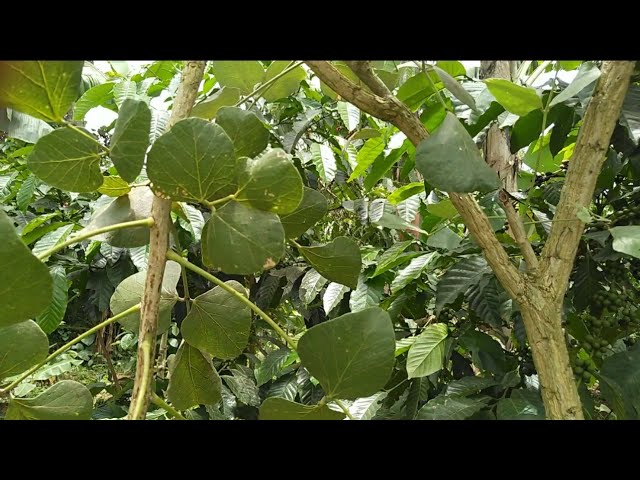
x=243 y=75
x=426 y=355
x=626 y=239
x=66 y=400
x=521 y=405
x=54 y=313
x=25 y=283
x=620 y=383
x=333 y=295
x=276 y=408
x=67 y=159
x=242 y=240
x=405 y=192
x=361 y=346
x=271 y=366
x=193 y=380
x=587 y=74
x=312 y=283
x=459 y=278
x=371 y=149
x=285 y=85
x=94 y=97
x=338 y=261
x=114 y=186
x=468 y=386
x=451 y=408
x=22 y=345
x=322 y=157
x=42 y=89
x=193 y=161
x=311 y=209
x=390 y=256
x=224 y=97
x=248 y=134
x=130 y=139
x=218 y=322
x=449 y=160
x=412 y=271
x=514 y=98
x=445 y=239
x=455 y=88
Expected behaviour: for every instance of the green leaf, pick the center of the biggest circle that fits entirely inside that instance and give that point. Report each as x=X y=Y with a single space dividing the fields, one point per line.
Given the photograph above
x=445 y=239
x=124 y=90
x=129 y=293
x=243 y=75
x=285 y=85
x=390 y=256
x=367 y=294
x=452 y=67
x=404 y=344
x=23 y=127
x=405 y=192
x=248 y=134
x=361 y=347
x=468 y=386
x=242 y=240
x=514 y=98
x=25 y=194
x=526 y=129
x=130 y=139
x=136 y=205
x=271 y=366
x=443 y=209
x=276 y=408
x=587 y=74
x=114 y=186
x=412 y=271
x=209 y=108
x=391 y=221
x=272 y=183
x=584 y=215
x=193 y=380
x=487 y=353
x=52 y=239
x=522 y=405
x=455 y=88
x=66 y=400
x=338 y=261
x=322 y=157
x=626 y=240
x=53 y=315
x=484 y=300
x=44 y=90
x=285 y=387
x=312 y=208
x=366 y=408
x=25 y=283
x=371 y=149
x=243 y=387
x=194 y=161
x=94 y=97
x=350 y=116
x=311 y=284
x=451 y=408
x=426 y=355
x=459 y=278
x=218 y=322
x=22 y=345
x=332 y=296
x=36 y=222
x=365 y=133
x=415 y=90
x=449 y=160
x=67 y=159
x=620 y=383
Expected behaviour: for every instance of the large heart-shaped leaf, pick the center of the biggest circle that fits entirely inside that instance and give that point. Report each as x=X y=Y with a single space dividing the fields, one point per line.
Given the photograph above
x=312 y=208
x=67 y=159
x=129 y=293
x=286 y=85
x=626 y=239
x=449 y=160
x=338 y=261
x=131 y=138
x=352 y=356
x=224 y=97
x=459 y=278
x=193 y=380
x=514 y=98
x=426 y=355
x=25 y=283
x=194 y=161
x=136 y=205
x=44 y=90
x=271 y=182
x=276 y=408
x=218 y=322
x=243 y=75
x=66 y=400
x=242 y=240
x=22 y=345
x=248 y=134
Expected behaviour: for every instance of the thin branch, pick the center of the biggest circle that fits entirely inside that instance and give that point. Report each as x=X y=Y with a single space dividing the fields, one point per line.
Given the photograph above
x=159 y=244
x=159 y=402
x=517 y=228
x=363 y=71
x=591 y=147
x=344 y=409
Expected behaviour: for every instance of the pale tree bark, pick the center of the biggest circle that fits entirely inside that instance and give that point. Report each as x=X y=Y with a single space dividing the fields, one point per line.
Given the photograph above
x=159 y=243
x=539 y=291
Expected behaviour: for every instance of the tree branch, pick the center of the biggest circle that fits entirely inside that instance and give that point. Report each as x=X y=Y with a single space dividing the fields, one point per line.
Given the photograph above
x=394 y=111
x=159 y=244
x=591 y=147
x=517 y=229
x=364 y=72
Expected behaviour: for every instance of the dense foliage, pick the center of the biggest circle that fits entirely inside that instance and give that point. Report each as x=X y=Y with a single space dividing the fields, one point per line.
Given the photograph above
x=318 y=269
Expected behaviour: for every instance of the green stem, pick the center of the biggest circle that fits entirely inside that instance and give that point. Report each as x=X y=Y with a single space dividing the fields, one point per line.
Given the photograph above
x=433 y=85
x=89 y=136
x=221 y=200
x=265 y=86
x=159 y=402
x=146 y=222
x=344 y=409
x=68 y=345
x=171 y=255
